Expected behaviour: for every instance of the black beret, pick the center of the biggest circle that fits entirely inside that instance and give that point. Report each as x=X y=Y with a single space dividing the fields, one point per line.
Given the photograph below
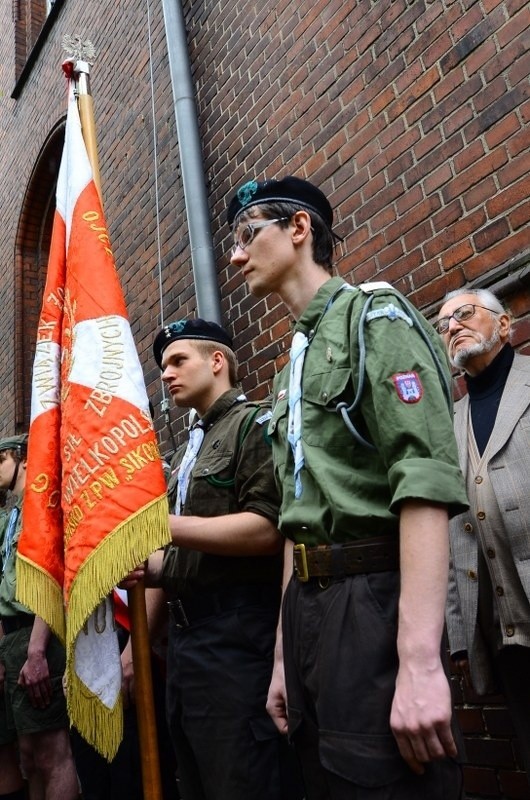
x=287 y=190
x=189 y=329
x=14 y=442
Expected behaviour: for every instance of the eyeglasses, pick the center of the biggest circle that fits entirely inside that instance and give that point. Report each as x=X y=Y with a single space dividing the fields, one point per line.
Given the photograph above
x=246 y=235
x=460 y=314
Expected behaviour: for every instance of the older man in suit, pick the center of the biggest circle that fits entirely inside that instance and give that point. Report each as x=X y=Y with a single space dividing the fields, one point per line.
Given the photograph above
x=488 y=613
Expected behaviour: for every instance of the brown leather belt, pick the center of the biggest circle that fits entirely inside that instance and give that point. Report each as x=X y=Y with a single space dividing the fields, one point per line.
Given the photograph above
x=377 y=554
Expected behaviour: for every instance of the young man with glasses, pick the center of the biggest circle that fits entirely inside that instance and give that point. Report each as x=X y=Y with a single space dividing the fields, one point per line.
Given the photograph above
x=488 y=613
x=367 y=468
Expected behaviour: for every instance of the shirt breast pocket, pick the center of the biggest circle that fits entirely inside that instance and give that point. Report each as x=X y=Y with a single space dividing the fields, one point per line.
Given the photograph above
x=322 y=425
x=215 y=469
x=211 y=490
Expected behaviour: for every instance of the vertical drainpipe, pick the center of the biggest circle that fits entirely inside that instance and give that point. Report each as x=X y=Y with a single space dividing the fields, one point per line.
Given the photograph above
x=197 y=211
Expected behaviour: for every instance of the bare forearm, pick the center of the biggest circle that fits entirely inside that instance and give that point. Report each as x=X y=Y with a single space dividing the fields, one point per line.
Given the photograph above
x=424 y=574
x=287 y=573
x=242 y=534
x=40 y=636
x=277 y=695
x=421 y=710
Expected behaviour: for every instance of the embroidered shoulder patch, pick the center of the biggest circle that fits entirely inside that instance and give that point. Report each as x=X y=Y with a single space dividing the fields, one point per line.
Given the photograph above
x=264 y=417
x=409 y=387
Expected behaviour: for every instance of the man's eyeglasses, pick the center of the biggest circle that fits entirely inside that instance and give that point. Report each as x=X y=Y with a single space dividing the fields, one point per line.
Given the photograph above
x=460 y=314
x=246 y=235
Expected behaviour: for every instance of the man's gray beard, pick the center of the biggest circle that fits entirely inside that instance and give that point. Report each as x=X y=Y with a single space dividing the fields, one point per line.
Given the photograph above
x=462 y=356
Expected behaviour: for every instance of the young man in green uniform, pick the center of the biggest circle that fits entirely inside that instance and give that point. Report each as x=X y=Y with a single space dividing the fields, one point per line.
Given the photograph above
x=32 y=659
x=222 y=575
x=366 y=462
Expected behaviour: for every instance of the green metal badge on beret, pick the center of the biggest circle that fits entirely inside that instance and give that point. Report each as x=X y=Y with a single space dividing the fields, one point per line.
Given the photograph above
x=175 y=327
x=246 y=192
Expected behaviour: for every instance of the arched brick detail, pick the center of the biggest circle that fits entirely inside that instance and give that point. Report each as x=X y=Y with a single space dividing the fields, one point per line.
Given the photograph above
x=28 y=16
x=31 y=259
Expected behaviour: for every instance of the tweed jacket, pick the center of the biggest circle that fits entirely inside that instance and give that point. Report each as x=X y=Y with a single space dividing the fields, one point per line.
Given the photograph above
x=508 y=466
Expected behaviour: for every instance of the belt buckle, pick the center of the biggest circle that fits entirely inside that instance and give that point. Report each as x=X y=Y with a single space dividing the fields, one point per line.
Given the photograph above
x=303 y=574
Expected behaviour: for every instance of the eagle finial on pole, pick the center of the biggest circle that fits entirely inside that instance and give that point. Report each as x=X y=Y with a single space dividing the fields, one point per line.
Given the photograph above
x=78 y=49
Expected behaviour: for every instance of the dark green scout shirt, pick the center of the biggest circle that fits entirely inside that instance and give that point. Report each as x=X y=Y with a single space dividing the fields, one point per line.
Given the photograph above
x=233 y=473
x=350 y=491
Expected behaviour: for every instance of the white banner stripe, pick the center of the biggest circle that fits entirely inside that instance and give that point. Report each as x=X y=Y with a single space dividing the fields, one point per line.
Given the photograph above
x=75 y=172
x=46 y=380
x=104 y=359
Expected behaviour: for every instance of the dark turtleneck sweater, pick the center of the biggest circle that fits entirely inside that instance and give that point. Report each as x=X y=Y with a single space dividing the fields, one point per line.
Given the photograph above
x=485 y=392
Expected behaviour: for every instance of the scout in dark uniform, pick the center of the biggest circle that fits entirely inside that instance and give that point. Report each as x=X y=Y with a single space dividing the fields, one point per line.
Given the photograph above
x=223 y=577
x=31 y=657
x=366 y=463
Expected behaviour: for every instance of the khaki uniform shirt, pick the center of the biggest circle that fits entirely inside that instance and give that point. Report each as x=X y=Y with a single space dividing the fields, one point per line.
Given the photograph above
x=349 y=491
x=233 y=473
x=8 y=554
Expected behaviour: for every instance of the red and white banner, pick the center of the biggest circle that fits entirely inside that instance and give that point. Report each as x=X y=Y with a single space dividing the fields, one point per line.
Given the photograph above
x=95 y=500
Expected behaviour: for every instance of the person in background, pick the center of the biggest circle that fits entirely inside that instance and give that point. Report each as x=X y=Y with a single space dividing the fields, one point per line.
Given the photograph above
x=11 y=782
x=366 y=463
x=32 y=660
x=488 y=611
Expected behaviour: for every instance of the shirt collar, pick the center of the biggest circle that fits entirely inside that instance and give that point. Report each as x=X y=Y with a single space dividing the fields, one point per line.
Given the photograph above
x=219 y=408
x=314 y=310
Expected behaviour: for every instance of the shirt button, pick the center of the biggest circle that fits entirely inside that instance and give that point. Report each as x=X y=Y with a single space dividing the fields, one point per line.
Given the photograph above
x=472 y=575
x=479 y=479
x=481 y=515
x=499 y=591
x=510 y=630
x=491 y=552
x=324 y=395
x=468 y=527
x=205 y=471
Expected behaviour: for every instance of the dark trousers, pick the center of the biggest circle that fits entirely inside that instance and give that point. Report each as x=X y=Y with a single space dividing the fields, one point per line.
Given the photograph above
x=512 y=665
x=226 y=745
x=341 y=664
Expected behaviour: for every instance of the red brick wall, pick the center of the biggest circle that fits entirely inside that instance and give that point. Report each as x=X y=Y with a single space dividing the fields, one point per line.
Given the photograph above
x=413 y=116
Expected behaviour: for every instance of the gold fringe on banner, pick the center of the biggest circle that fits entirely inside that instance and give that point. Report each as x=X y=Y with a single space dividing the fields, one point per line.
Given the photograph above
x=123 y=549
x=100 y=726
x=117 y=554
x=37 y=589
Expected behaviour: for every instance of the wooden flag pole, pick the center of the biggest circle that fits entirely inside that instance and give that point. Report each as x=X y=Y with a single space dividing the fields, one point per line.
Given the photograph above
x=143 y=690
x=141 y=650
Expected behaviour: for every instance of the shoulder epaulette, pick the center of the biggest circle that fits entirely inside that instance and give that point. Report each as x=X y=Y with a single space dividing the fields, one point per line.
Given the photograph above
x=368 y=288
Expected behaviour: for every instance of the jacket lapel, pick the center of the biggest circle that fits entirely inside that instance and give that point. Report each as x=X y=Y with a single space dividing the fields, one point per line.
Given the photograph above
x=460 y=425
x=515 y=400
